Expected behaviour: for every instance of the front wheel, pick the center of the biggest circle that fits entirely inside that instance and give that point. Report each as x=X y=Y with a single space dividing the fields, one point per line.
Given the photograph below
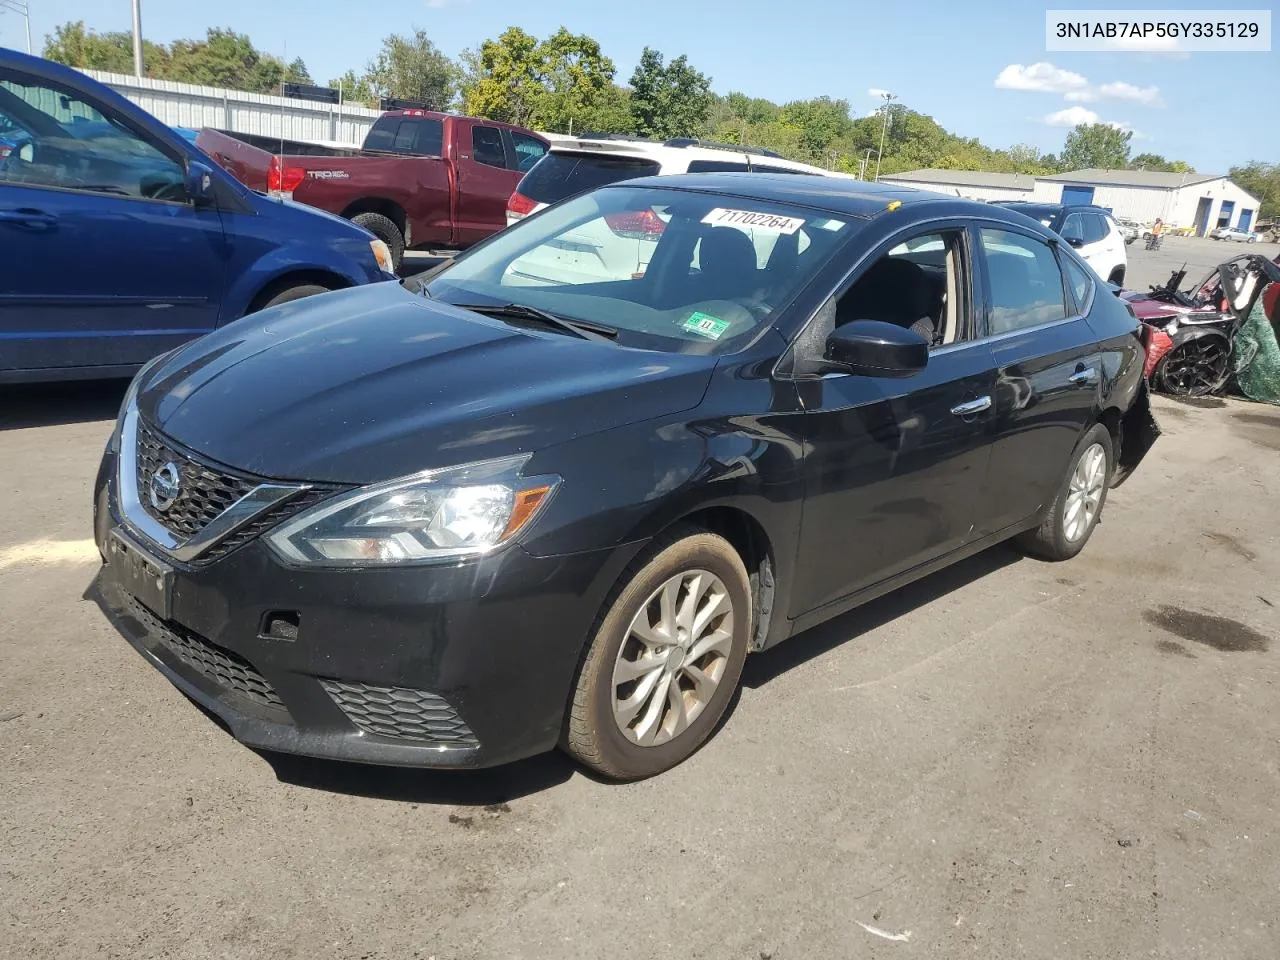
x=1075 y=512
x=665 y=659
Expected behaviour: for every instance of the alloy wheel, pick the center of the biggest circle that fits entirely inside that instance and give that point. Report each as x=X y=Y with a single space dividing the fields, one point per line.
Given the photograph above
x=673 y=657
x=1197 y=367
x=1084 y=492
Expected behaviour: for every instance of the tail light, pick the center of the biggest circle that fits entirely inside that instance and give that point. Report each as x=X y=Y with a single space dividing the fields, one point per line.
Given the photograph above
x=520 y=206
x=282 y=181
x=636 y=224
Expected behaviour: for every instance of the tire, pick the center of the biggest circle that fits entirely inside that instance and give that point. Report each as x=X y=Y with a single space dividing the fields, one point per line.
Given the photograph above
x=385 y=230
x=1195 y=367
x=613 y=743
x=1058 y=537
x=1117 y=277
x=290 y=294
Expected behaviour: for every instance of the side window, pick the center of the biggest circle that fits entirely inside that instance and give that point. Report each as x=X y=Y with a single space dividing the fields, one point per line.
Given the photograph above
x=486 y=146
x=1073 y=229
x=1026 y=284
x=56 y=139
x=762 y=168
x=428 y=141
x=917 y=284
x=528 y=151
x=1095 y=228
x=1080 y=282
x=717 y=166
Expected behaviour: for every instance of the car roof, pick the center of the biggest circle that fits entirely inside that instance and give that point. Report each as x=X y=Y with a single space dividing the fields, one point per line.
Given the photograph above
x=1047 y=207
x=853 y=198
x=677 y=150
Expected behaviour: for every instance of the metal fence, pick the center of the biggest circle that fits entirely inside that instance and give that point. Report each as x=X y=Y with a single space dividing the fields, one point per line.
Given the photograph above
x=195 y=106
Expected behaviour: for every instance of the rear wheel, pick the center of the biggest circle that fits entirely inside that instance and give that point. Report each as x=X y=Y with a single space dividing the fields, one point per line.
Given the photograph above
x=1071 y=520
x=1117 y=276
x=384 y=229
x=665 y=659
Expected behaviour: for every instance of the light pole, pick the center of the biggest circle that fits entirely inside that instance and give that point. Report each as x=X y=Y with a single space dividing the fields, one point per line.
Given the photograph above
x=20 y=6
x=884 y=126
x=866 y=162
x=137 y=38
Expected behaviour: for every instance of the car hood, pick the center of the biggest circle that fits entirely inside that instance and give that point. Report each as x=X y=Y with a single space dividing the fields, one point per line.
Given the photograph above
x=371 y=383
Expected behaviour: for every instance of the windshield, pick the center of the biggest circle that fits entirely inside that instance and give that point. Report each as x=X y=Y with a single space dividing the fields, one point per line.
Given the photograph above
x=670 y=270
x=559 y=175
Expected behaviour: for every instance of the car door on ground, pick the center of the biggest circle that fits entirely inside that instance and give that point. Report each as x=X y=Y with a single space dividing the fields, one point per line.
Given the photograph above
x=106 y=261
x=1047 y=369
x=895 y=468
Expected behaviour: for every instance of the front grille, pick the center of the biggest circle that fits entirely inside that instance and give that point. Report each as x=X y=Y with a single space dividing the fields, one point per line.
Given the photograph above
x=264 y=522
x=205 y=490
x=228 y=670
x=400 y=712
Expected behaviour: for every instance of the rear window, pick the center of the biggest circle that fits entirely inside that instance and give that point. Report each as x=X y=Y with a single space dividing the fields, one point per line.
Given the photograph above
x=420 y=136
x=560 y=175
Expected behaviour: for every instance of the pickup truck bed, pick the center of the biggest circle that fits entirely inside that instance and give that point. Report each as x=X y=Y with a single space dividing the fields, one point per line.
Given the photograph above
x=423 y=180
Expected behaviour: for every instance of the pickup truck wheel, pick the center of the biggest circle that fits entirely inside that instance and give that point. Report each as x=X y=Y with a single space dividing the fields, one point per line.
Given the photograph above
x=665 y=659
x=295 y=293
x=386 y=231
x=1077 y=508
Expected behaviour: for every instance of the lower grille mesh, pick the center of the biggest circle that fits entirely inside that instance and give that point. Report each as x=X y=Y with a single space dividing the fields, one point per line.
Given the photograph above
x=400 y=712
x=228 y=670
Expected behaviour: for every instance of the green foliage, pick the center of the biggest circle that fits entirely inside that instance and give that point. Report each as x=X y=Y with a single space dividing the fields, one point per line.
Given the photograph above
x=563 y=82
x=1097 y=145
x=412 y=68
x=223 y=58
x=668 y=101
x=1263 y=181
x=1153 y=161
x=355 y=89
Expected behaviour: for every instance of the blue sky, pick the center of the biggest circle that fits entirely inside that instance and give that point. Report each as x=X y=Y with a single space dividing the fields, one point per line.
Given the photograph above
x=942 y=58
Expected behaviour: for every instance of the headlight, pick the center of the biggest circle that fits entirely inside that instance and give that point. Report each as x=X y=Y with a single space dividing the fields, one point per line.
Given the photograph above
x=382 y=253
x=437 y=515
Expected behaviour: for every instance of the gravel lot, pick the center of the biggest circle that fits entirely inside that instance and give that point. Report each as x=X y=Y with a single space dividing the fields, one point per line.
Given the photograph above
x=1009 y=759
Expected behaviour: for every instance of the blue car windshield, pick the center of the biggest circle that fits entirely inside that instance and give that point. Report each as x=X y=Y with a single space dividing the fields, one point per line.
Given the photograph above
x=674 y=270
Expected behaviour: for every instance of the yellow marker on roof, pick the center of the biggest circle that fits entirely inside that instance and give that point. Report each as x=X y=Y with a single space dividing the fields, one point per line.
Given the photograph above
x=893 y=205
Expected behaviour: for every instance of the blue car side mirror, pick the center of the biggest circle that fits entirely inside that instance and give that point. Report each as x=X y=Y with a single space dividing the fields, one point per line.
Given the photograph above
x=199 y=183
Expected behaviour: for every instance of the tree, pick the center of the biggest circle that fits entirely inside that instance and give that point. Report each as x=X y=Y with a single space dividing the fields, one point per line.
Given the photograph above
x=668 y=101
x=1098 y=145
x=1263 y=181
x=412 y=68
x=563 y=82
x=355 y=89
x=1153 y=161
x=822 y=122
x=75 y=46
x=297 y=72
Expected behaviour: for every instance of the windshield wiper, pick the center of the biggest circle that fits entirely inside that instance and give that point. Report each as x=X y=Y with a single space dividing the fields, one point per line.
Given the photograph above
x=585 y=329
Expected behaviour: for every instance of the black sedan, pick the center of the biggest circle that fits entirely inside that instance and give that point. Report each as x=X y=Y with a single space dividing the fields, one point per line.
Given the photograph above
x=558 y=491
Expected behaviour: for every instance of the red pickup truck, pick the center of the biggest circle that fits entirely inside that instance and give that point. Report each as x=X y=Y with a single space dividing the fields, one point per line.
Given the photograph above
x=422 y=179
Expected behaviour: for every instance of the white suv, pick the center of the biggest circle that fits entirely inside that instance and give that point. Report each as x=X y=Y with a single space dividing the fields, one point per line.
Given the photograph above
x=1090 y=230
x=620 y=246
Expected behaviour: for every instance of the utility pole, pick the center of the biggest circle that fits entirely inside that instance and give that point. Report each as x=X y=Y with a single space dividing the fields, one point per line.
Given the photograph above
x=866 y=162
x=137 y=38
x=22 y=7
x=884 y=126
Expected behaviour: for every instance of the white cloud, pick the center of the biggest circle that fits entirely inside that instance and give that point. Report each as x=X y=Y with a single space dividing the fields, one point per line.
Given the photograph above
x=876 y=92
x=1071 y=116
x=1127 y=91
x=1041 y=78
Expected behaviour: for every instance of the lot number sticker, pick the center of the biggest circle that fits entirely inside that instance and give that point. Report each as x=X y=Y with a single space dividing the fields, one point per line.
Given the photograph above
x=704 y=324
x=722 y=217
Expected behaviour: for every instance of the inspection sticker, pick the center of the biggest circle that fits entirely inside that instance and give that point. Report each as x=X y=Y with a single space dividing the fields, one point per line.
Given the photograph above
x=704 y=324
x=721 y=217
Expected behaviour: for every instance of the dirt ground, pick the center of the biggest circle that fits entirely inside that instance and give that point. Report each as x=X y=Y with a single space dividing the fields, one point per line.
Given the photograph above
x=1009 y=759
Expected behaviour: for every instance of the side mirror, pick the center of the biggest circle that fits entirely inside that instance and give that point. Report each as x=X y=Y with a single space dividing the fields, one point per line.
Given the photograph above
x=199 y=183
x=1075 y=241
x=872 y=348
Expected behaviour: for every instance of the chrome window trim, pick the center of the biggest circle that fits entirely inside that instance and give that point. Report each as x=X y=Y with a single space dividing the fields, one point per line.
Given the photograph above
x=257 y=501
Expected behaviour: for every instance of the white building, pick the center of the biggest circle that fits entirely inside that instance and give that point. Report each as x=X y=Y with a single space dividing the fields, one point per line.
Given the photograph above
x=1202 y=201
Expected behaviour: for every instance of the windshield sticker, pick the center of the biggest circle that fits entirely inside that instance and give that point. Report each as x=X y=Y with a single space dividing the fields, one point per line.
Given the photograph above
x=721 y=217
x=705 y=325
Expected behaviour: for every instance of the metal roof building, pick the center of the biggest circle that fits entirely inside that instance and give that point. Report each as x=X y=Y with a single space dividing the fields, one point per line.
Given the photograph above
x=1202 y=201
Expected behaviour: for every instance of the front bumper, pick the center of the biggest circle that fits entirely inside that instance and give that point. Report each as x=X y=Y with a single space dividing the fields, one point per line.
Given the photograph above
x=462 y=666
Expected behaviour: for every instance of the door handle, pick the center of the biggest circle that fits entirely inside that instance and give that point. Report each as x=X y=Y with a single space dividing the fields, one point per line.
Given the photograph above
x=1082 y=378
x=969 y=408
x=27 y=217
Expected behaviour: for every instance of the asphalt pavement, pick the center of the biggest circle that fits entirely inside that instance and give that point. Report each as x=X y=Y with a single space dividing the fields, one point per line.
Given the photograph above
x=1008 y=759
